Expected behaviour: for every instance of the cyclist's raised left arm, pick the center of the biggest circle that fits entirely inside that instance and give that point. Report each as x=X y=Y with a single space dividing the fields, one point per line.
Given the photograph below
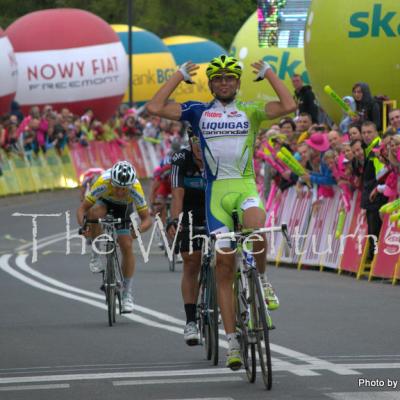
x=286 y=104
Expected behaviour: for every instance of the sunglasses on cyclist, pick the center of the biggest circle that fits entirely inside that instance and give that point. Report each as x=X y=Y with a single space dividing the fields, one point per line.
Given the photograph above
x=229 y=77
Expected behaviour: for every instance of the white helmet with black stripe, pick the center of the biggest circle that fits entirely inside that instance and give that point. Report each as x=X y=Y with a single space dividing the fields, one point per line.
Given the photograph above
x=123 y=174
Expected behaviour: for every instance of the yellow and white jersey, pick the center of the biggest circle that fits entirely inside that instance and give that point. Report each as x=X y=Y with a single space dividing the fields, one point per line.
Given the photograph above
x=103 y=189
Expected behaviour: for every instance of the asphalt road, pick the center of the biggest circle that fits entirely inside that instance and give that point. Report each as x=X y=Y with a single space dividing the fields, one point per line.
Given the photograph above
x=336 y=337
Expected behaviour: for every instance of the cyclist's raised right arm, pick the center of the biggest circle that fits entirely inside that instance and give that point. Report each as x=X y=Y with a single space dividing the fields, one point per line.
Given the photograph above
x=160 y=104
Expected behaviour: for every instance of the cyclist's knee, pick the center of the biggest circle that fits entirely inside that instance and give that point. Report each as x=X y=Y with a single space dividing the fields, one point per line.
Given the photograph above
x=253 y=217
x=225 y=267
x=191 y=263
x=125 y=243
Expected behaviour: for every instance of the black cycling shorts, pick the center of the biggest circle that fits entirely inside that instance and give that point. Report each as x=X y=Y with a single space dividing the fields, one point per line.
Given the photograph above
x=119 y=211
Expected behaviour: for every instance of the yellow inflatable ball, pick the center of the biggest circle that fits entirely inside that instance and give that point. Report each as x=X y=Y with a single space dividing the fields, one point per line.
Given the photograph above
x=152 y=62
x=349 y=41
x=199 y=51
x=285 y=61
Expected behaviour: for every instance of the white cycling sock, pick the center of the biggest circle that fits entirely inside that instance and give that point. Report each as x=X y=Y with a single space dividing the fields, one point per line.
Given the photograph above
x=232 y=341
x=128 y=283
x=264 y=277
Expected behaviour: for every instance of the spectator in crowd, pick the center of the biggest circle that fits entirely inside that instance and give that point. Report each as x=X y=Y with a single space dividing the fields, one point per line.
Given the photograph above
x=131 y=128
x=335 y=141
x=9 y=137
x=372 y=167
x=359 y=159
x=318 y=144
x=346 y=149
x=152 y=127
x=394 y=120
x=303 y=124
x=366 y=107
x=305 y=98
x=288 y=127
x=386 y=177
x=354 y=131
x=16 y=111
x=347 y=119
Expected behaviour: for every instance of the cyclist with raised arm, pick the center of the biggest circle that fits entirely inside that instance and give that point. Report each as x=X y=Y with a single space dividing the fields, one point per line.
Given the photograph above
x=115 y=192
x=227 y=129
x=188 y=187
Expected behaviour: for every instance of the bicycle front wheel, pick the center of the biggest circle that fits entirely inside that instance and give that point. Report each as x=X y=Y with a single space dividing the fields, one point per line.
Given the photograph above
x=249 y=357
x=260 y=327
x=110 y=287
x=212 y=318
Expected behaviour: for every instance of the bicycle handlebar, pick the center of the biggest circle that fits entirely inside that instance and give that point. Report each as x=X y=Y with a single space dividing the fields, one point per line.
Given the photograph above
x=106 y=220
x=248 y=232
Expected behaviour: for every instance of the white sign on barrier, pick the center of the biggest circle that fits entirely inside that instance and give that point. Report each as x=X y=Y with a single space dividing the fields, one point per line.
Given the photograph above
x=333 y=258
x=320 y=235
x=276 y=219
x=297 y=222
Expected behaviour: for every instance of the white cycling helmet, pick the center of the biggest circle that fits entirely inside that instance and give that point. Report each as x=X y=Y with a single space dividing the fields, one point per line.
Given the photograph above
x=123 y=174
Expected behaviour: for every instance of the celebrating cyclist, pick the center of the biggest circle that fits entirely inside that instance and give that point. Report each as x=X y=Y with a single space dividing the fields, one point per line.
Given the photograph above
x=188 y=187
x=115 y=192
x=227 y=129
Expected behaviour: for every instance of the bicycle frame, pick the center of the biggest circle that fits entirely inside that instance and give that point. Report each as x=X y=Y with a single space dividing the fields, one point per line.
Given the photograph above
x=252 y=316
x=112 y=275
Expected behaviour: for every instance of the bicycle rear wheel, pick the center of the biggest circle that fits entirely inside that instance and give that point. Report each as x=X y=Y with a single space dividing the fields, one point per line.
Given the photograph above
x=260 y=326
x=248 y=350
x=110 y=286
x=212 y=335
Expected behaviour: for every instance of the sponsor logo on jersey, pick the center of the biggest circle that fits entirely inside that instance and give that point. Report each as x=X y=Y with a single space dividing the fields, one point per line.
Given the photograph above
x=212 y=114
x=234 y=114
x=178 y=156
x=99 y=190
x=225 y=128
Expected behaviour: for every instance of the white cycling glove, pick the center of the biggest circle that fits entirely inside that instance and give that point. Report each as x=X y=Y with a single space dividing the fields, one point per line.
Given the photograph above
x=262 y=71
x=186 y=76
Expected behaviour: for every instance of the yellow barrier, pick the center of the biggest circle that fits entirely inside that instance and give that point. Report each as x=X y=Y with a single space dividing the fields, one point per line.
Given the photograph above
x=10 y=184
x=22 y=173
x=70 y=175
x=39 y=172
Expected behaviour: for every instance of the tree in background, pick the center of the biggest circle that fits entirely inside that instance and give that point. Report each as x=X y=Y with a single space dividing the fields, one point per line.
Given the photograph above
x=217 y=20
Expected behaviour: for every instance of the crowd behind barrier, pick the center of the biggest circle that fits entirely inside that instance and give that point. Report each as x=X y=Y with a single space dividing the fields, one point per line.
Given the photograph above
x=335 y=185
x=48 y=149
x=326 y=181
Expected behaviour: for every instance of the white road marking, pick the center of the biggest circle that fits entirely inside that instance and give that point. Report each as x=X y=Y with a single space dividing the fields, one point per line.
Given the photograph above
x=22 y=264
x=313 y=361
x=205 y=398
x=365 y=395
x=177 y=381
x=47 y=239
x=34 y=387
x=307 y=369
